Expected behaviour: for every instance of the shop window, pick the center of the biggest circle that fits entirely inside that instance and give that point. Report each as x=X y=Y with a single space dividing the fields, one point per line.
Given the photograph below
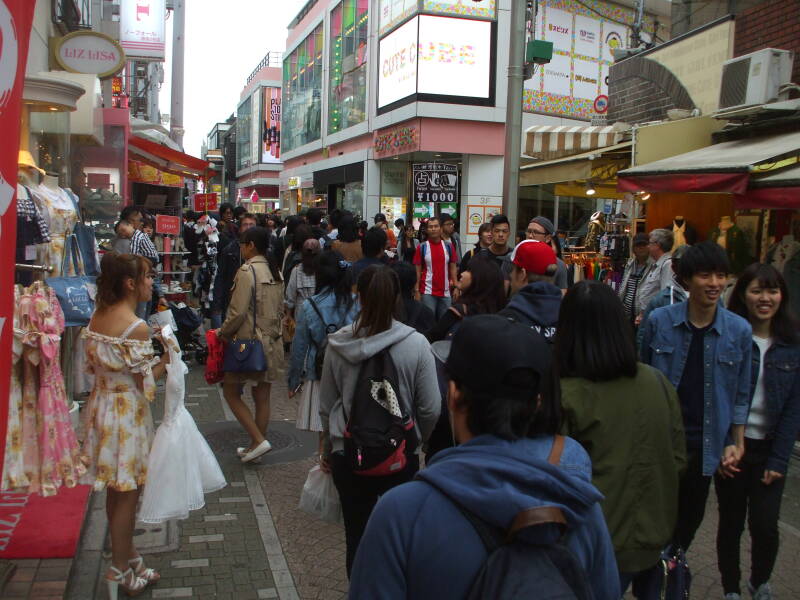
x=348 y=65
x=244 y=117
x=302 y=93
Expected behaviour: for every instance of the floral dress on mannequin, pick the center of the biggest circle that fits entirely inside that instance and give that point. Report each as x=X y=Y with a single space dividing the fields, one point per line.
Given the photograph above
x=59 y=212
x=118 y=425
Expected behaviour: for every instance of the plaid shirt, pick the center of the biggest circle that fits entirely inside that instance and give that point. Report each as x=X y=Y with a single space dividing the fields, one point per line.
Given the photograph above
x=27 y=210
x=141 y=245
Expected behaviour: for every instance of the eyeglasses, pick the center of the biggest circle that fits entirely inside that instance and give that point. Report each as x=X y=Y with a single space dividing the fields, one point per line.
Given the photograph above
x=534 y=232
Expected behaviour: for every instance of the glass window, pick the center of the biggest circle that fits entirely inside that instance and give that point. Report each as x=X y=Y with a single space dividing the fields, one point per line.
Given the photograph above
x=302 y=93
x=243 y=134
x=348 y=68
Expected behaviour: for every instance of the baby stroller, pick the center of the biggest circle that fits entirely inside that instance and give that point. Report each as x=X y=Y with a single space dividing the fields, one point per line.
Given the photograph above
x=188 y=321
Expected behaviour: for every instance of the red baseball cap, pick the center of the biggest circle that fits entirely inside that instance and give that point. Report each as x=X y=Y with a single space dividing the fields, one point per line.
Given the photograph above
x=533 y=256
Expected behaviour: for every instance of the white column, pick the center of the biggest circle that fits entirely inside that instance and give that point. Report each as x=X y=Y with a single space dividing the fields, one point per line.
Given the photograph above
x=372 y=189
x=481 y=193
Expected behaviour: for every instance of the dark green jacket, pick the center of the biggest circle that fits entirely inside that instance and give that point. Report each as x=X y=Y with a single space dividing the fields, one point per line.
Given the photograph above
x=633 y=431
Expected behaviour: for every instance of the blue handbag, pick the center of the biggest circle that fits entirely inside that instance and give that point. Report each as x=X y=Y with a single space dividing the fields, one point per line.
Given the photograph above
x=75 y=293
x=86 y=240
x=246 y=355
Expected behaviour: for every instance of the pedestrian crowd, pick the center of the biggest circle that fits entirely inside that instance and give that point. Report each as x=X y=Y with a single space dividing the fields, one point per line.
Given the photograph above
x=488 y=427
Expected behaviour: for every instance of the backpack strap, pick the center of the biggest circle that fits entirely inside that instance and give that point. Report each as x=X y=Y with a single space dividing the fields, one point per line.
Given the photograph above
x=532 y=517
x=558 y=448
x=492 y=537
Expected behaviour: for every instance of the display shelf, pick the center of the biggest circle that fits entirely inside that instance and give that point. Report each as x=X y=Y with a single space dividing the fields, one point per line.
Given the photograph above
x=173 y=253
x=174 y=272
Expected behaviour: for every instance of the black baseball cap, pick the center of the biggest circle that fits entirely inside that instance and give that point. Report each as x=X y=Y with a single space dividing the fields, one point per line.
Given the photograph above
x=641 y=239
x=486 y=349
x=380 y=218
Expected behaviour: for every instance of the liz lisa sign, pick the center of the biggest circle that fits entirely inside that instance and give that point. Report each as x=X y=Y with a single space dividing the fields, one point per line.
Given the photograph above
x=89 y=52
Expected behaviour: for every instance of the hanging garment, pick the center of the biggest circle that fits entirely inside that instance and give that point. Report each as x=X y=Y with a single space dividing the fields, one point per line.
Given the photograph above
x=181 y=468
x=14 y=472
x=58 y=210
x=735 y=243
x=118 y=426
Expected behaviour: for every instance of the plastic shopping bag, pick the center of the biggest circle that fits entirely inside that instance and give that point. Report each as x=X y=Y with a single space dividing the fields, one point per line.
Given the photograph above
x=319 y=496
x=216 y=353
x=161 y=319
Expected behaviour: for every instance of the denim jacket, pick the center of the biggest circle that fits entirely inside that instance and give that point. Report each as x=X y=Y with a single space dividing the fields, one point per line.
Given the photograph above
x=310 y=333
x=782 y=393
x=728 y=348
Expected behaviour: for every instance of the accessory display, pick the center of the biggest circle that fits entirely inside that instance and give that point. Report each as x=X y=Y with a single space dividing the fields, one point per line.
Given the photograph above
x=75 y=293
x=246 y=355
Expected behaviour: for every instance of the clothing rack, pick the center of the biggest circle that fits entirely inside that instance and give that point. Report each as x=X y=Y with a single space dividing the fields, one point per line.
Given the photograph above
x=24 y=267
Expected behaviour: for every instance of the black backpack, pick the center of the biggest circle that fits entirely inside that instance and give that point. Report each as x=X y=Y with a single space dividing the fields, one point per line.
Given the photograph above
x=526 y=568
x=380 y=432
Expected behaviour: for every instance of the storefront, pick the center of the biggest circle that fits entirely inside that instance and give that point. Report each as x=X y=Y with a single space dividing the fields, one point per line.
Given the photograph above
x=343 y=186
x=297 y=195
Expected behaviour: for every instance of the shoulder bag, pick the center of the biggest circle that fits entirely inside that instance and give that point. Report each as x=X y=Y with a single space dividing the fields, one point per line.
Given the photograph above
x=246 y=355
x=75 y=293
x=86 y=239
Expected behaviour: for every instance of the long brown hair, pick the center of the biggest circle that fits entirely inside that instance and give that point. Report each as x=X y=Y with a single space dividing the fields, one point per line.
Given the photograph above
x=114 y=270
x=379 y=291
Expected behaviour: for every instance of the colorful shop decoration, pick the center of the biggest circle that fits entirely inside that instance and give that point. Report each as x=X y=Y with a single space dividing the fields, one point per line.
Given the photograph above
x=400 y=139
x=139 y=172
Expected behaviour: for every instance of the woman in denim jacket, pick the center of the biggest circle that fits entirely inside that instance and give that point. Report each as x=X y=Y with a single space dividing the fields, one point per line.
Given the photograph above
x=332 y=307
x=756 y=487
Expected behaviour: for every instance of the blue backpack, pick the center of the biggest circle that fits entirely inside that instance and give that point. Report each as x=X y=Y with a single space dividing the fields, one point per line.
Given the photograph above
x=448 y=248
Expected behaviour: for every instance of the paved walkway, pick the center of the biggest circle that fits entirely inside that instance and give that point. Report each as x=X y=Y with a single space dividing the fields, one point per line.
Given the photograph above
x=251 y=541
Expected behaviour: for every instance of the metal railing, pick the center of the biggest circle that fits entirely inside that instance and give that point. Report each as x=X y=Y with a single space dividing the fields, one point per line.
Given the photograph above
x=72 y=15
x=272 y=59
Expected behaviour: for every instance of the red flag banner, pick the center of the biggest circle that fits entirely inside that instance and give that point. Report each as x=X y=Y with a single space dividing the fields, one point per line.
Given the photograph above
x=16 y=17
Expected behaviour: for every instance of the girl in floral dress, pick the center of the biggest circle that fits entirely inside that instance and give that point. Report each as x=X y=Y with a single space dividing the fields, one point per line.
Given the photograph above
x=119 y=427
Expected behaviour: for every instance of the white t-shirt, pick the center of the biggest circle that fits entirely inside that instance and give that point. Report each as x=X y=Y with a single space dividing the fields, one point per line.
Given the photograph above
x=758 y=424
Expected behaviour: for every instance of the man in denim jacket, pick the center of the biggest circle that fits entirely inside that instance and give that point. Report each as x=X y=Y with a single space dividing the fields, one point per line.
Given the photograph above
x=705 y=351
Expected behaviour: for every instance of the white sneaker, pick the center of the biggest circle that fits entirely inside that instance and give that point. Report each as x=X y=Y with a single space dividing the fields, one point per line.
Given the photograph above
x=733 y=596
x=262 y=448
x=764 y=592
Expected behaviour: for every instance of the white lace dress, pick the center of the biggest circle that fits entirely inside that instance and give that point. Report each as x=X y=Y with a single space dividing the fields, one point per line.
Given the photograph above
x=182 y=468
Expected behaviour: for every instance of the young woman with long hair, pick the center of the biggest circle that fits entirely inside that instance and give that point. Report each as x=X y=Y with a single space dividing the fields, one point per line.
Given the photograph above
x=481 y=291
x=376 y=329
x=118 y=424
x=755 y=489
x=348 y=242
x=407 y=244
x=628 y=418
x=332 y=307
x=259 y=274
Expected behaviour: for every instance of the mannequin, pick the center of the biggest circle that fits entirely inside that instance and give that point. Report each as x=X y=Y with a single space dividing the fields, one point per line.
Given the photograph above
x=58 y=209
x=683 y=233
x=597 y=227
x=730 y=237
x=31 y=227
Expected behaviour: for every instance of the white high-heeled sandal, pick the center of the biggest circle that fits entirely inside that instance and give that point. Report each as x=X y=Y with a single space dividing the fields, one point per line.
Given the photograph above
x=146 y=573
x=130 y=583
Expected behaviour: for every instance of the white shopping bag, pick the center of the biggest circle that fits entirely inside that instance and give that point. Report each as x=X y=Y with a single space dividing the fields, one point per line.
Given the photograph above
x=319 y=496
x=162 y=318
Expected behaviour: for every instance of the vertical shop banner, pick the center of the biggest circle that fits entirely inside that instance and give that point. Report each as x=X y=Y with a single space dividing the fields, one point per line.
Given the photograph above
x=271 y=126
x=142 y=28
x=16 y=17
x=168 y=225
x=435 y=182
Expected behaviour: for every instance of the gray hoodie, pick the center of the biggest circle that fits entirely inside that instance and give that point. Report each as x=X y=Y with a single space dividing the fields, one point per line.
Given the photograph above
x=416 y=372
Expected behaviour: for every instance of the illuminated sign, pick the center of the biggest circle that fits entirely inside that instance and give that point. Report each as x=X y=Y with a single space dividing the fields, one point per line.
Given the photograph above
x=89 y=52
x=436 y=56
x=294 y=182
x=142 y=28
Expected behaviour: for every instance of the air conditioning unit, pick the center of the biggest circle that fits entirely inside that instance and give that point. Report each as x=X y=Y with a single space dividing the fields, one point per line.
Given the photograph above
x=754 y=79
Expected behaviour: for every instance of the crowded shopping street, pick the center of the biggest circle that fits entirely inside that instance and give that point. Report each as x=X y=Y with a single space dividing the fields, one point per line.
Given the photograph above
x=400 y=299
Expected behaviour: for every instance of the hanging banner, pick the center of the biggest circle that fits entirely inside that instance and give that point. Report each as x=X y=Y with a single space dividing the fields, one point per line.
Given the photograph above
x=271 y=126
x=142 y=28
x=435 y=182
x=168 y=225
x=16 y=17
x=205 y=202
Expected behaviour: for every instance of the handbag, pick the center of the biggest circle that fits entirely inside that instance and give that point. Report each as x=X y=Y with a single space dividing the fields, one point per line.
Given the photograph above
x=215 y=370
x=86 y=240
x=246 y=355
x=669 y=579
x=75 y=293
x=289 y=329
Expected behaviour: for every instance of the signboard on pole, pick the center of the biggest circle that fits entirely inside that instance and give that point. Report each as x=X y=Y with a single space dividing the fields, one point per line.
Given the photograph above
x=205 y=202
x=142 y=28
x=435 y=182
x=168 y=225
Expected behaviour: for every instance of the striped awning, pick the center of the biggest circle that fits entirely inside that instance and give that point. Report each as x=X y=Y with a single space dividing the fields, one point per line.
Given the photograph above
x=547 y=142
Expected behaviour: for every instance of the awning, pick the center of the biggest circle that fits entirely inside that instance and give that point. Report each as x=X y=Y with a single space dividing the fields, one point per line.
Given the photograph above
x=779 y=190
x=577 y=167
x=167 y=159
x=547 y=142
x=723 y=167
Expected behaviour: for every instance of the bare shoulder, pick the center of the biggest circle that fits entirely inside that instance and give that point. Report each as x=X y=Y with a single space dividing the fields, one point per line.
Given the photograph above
x=141 y=332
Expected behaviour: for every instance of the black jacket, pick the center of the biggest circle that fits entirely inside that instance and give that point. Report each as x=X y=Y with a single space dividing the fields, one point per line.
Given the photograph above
x=536 y=305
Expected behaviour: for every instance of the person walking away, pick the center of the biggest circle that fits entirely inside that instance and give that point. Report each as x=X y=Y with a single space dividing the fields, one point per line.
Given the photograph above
x=302 y=282
x=348 y=242
x=374 y=248
x=672 y=294
x=705 y=352
x=756 y=489
x=118 y=426
x=331 y=307
x=376 y=335
x=628 y=418
x=407 y=245
x=483 y=294
x=635 y=269
x=314 y=218
x=449 y=234
x=415 y=314
x=259 y=275
x=659 y=275
x=229 y=260
x=333 y=228
x=542 y=229
x=419 y=542
x=435 y=261
x=535 y=300
x=379 y=220
x=294 y=254
x=484 y=241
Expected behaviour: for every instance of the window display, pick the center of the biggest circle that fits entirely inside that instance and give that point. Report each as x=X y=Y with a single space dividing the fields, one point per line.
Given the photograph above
x=348 y=67
x=302 y=92
x=244 y=117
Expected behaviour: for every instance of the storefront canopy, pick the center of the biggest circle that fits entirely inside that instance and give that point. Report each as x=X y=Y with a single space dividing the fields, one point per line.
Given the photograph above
x=167 y=159
x=724 y=167
x=779 y=190
x=547 y=142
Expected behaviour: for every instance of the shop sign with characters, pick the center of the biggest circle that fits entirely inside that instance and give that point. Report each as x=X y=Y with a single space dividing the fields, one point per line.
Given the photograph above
x=435 y=182
x=89 y=52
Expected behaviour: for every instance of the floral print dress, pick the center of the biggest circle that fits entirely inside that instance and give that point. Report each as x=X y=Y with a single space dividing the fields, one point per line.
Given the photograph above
x=118 y=426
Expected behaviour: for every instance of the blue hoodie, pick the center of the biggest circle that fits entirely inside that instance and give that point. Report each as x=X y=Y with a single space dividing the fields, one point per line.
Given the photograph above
x=537 y=305
x=419 y=545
